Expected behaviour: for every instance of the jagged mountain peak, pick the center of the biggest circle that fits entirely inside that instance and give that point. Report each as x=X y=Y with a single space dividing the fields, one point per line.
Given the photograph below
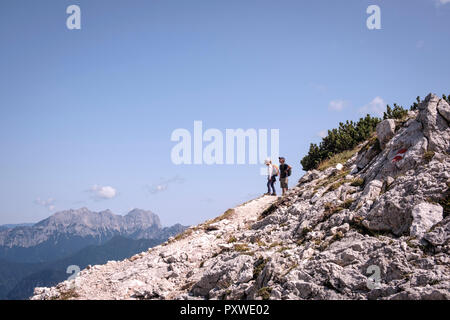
x=84 y=223
x=376 y=227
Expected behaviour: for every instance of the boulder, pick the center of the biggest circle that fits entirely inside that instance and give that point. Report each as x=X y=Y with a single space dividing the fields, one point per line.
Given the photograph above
x=435 y=126
x=385 y=131
x=424 y=215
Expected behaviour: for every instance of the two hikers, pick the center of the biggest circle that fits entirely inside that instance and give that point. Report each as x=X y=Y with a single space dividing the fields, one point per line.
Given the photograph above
x=273 y=171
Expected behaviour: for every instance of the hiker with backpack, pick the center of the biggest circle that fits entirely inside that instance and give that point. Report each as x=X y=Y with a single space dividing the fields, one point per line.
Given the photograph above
x=272 y=173
x=285 y=172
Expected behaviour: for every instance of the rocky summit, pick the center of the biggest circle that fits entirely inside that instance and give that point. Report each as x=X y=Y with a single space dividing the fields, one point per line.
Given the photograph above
x=375 y=227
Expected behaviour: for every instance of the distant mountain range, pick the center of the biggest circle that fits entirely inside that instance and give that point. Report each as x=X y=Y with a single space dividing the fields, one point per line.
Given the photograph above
x=12 y=226
x=38 y=254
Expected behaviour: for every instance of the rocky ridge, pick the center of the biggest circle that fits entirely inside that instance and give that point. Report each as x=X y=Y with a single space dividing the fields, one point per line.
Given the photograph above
x=377 y=228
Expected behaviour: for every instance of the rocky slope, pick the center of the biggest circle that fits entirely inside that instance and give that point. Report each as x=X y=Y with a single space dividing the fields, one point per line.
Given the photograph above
x=378 y=228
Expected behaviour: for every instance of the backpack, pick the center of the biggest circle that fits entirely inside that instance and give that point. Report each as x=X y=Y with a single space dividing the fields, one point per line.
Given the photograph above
x=289 y=172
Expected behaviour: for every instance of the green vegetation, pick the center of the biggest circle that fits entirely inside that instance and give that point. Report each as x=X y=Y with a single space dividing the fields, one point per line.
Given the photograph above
x=339 y=145
x=275 y=244
x=344 y=138
x=397 y=113
x=342 y=157
x=241 y=247
x=68 y=295
x=428 y=156
x=259 y=266
x=357 y=182
x=232 y=239
x=347 y=203
x=415 y=105
x=265 y=292
x=446 y=98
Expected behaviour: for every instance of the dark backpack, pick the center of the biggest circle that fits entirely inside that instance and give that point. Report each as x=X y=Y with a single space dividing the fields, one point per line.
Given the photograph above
x=289 y=172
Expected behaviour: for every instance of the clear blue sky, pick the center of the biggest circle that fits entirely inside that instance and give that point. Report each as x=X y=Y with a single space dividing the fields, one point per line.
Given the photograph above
x=92 y=108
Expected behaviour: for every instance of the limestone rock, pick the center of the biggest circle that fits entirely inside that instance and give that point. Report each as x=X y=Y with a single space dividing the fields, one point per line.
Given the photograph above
x=424 y=215
x=385 y=131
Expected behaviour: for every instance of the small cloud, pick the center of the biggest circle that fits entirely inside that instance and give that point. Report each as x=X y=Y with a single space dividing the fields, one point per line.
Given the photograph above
x=164 y=184
x=337 y=105
x=322 y=133
x=103 y=193
x=442 y=2
x=375 y=107
x=49 y=203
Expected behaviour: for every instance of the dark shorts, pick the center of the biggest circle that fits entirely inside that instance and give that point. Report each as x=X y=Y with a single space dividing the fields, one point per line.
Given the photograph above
x=284 y=183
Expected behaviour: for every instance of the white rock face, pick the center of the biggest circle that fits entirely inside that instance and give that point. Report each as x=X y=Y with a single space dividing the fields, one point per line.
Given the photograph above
x=385 y=131
x=425 y=215
x=320 y=241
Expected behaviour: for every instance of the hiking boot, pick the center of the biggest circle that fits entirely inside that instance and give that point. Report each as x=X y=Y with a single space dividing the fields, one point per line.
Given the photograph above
x=267 y=194
x=274 y=194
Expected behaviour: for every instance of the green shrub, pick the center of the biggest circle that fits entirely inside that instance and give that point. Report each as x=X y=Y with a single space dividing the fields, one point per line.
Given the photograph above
x=397 y=113
x=428 y=156
x=415 y=105
x=357 y=182
x=346 y=137
x=265 y=292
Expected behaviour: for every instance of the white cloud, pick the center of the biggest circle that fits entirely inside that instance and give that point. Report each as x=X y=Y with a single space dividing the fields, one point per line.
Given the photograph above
x=322 y=133
x=104 y=193
x=443 y=1
x=49 y=203
x=163 y=185
x=375 y=107
x=337 y=105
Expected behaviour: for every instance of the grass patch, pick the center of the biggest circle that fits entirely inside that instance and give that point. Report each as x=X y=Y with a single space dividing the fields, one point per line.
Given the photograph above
x=284 y=248
x=347 y=203
x=275 y=244
x=342 y=158
x=335 y=185
x=184 y=234
x=226 y=215
x=427 y=156
x=265 y=292
x=68 y=295
x=357 y=182
x=330 y=209
x=241 y=247
x=232 y=239
x=258 y=267
x=295 y=265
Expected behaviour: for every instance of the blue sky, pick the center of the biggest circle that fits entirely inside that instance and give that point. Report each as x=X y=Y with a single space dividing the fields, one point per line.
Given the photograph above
x=86 y=115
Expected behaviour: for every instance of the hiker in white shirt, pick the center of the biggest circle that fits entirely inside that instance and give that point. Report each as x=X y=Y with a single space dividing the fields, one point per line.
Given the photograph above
x=272 y=172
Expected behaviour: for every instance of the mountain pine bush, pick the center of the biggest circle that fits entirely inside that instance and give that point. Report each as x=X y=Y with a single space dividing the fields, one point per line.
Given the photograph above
x=397 y=113
x=415 y=105
x=347 y=136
